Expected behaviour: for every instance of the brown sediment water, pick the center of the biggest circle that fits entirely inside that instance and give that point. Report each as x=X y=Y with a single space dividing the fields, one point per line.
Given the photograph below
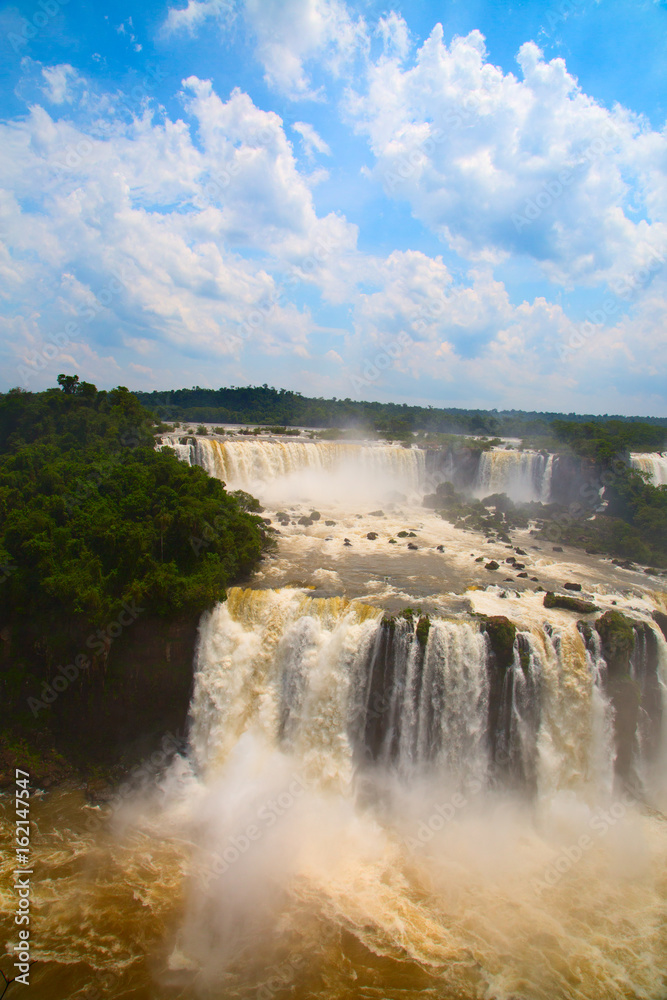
x=344 y=824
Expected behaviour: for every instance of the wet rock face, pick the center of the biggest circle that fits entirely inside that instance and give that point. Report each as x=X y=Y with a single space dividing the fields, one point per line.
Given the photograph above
x=630 y=650
x=571 y=477
x=618 y=641
x=566 y=603
x=661 y=621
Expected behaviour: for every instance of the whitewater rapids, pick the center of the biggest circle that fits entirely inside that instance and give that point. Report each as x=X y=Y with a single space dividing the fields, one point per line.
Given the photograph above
x=360 y=813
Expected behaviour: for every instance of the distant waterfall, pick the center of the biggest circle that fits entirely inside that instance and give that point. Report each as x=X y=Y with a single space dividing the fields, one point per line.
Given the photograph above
x=655 y=464
x=522 y=475
x=320 y=470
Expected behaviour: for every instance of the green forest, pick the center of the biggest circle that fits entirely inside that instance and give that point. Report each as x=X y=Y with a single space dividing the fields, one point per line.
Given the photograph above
x=266 y=405
x=95 y=520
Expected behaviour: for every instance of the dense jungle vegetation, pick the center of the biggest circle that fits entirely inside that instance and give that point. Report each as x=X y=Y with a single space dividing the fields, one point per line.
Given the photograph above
x=92 y=516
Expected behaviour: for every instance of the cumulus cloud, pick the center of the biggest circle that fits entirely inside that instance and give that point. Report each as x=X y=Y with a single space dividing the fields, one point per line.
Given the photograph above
x=194 y=240
x=498 y=165
x=139 y=236
x=288 y=35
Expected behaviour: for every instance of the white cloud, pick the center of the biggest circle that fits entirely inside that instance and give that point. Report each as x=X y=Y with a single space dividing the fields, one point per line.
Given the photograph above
x=395 y=35
x=58 y=78
x=180 y=248
x=312 y=141
x=138 y=238
x=191 y=17
x=498 y=166
x=288 y=35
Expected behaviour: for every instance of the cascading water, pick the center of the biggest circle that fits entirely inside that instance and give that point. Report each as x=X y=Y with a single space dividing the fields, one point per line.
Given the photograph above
x=378 y=805
x=343 y=686
x=522 y=475
x=317 y=470
x=655 y=464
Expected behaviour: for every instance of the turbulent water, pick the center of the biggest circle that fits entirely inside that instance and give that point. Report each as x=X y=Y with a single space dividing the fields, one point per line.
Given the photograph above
x=370 y=807
x=655 y=464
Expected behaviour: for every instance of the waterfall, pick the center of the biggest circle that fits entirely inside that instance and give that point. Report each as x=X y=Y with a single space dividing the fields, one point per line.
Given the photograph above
x=374 y=806
x=655 y=464
x=320 y=470
x=345 y=689
x=522 y=475
x=184 y=447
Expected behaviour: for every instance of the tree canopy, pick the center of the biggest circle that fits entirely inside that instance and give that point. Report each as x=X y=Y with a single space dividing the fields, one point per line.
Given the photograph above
x=93 y=516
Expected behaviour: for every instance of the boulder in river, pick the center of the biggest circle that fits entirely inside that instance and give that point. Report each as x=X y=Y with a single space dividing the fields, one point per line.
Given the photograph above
x=566 y=603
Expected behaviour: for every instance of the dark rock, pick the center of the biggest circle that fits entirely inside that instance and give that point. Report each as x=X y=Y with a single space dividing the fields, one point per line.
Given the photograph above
x=520 y=552
x=305 y=521
x=518 y=565
x=377 y=513
x=329 y=524
x=315 y=515
x=411 y=545
x=492 y=565
x=501 y=633
x=557 y=548
x=440 y=548
x=572 y=586
x=402 y=534
x=534 y=579
x=510 y=559
x=392 y=541
x=372 y=535
x=569 y=603
x=346 y=541
x=660 y=618
x=522 y=575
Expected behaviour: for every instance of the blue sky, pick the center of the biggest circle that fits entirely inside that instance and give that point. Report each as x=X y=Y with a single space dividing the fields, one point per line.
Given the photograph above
x=457 y=204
